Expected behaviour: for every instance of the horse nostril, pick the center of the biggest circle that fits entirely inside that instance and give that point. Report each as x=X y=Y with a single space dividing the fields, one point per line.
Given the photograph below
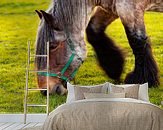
x=58 y=90
x=44 y=92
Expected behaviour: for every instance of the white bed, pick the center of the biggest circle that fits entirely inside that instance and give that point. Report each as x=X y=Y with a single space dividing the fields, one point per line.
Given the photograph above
x=105 y=113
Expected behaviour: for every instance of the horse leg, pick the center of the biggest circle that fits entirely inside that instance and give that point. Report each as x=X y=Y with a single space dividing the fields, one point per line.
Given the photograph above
x=132 y=17
x=109 y=55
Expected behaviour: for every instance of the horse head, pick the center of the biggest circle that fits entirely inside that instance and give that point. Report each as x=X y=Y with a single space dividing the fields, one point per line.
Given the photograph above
x=63 y=60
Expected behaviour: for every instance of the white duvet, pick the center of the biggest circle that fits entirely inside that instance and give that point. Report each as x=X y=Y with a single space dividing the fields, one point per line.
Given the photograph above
x=105 y=114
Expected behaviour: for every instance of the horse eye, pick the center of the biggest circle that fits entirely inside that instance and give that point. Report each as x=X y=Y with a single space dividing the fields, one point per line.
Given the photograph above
x=52 y=46
x=57 y=29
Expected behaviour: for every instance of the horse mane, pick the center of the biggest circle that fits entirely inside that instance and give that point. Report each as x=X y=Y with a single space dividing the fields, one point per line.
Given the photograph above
x=66 y=13
x=45 y=34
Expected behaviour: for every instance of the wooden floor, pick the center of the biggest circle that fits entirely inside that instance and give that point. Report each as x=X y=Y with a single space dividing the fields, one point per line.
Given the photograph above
x=17 y=126
x=16 y=121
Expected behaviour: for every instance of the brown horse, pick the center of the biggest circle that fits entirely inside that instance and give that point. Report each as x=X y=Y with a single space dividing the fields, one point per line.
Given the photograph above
x=63 y=26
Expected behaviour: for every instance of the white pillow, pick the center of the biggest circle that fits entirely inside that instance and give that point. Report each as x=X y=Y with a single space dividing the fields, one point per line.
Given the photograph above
x=71 y=93
x=71 y=90
x=143 y=92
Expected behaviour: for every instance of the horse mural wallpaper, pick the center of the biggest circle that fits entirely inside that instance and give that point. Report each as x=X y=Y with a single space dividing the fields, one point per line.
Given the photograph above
x=63 y=25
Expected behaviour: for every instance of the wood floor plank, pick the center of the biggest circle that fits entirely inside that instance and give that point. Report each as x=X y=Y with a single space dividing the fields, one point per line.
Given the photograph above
x=15 y=121
x=5 y=126
x=1 y=124
x=20 y=117
x=13 y=126
x=20 y=126
x=39 y=124
x=30 y=125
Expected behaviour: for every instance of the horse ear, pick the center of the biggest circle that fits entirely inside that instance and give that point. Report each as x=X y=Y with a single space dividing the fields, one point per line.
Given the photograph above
x=39 y=14
x=48 y=17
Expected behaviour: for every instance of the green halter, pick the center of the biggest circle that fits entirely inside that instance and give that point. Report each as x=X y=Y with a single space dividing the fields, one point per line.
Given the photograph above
x=60 y=75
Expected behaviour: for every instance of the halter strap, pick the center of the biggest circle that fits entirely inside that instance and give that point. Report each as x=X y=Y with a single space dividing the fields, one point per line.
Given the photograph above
x=68 y=64
x=59 y=76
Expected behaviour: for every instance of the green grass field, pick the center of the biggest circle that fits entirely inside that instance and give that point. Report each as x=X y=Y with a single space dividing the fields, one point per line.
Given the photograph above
x=18 y=24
